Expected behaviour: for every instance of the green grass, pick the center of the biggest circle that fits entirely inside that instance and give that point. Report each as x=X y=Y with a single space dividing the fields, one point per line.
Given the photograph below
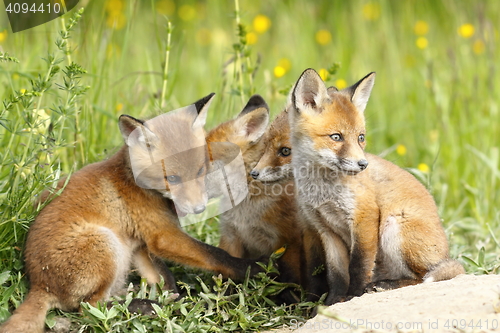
x=440 y=103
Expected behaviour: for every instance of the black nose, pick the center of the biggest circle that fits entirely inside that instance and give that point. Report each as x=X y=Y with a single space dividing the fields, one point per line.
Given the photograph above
x=254 y=174
x=199 y=209
x=362 y=164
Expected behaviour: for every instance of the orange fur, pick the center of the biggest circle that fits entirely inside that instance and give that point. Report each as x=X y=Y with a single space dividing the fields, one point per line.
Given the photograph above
x=379 y=226
x=81 y=245
x=267 y=219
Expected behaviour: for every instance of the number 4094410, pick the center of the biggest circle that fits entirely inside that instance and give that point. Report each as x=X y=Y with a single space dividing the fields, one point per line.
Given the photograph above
x=34 y=8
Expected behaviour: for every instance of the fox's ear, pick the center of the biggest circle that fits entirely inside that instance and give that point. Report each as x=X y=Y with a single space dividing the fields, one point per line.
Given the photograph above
x=309 y=92
x=255 y=102
x=202 y=106
x=332 y=90
x=133 y=130
x=360 y=91
x=252 y=121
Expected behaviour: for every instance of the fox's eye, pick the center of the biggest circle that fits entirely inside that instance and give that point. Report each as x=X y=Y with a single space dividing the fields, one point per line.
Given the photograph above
x=200 y=172
x=285 y=151
x=361 y=138
x=336 y=137
x=174 y=179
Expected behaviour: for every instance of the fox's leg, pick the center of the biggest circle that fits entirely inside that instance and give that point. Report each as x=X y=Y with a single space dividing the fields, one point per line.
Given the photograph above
x=412 y=251
x=87 y=264
x=170 y=242
x=231 y=243
x=152 y=267
x=337 y=265
x=364 y=249
x=314 y=274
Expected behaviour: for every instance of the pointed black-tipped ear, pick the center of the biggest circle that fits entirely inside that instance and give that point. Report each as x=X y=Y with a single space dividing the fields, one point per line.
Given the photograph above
x=255 y=102
x=202 y=109
x=143 y=135
x=309 y=92
x=360 y=91
x=253 y=119
x=199 y=104
x=128 y=124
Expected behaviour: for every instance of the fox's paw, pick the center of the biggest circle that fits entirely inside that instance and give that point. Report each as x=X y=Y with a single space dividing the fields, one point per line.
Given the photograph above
x=379 y=286
x=336 y=299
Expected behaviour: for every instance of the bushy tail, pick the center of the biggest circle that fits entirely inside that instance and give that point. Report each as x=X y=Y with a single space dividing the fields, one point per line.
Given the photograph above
x=30 y=315
x=445 y=270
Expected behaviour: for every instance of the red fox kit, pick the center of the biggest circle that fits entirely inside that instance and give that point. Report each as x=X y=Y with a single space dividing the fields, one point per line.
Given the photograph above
x=378 y=225
x=267 y=218
x=274 y=169
x=81 y=245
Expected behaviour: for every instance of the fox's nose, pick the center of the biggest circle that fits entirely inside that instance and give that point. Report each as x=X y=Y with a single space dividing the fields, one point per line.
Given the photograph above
x=254 y=174
x=199 y=209
x=362 y=164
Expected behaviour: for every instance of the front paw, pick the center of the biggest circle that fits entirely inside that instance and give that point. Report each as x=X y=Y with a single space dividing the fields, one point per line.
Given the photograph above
x=379 y=286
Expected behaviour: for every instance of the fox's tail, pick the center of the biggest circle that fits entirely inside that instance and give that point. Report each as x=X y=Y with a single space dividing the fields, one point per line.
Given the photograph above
x=30 y=315
x=444 y=270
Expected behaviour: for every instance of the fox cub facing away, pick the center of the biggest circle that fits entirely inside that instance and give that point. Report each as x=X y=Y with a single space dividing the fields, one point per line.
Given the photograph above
x=379 y=226
x=266 y=219
x=81 y=245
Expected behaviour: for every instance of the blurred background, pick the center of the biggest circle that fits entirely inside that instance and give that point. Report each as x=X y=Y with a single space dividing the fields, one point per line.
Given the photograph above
x=434 y=108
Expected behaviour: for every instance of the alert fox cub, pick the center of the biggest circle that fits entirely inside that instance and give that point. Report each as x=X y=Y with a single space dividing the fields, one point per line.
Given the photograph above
x=266 y=219
x=82 y=244
x=274 y=168
x=379 y=226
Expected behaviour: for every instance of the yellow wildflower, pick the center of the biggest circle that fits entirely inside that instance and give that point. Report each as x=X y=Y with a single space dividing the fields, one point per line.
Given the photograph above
x=478 y=47
x=466 y=30
x=252 y=38
x=421 y=28
x=285 y=63
x=116 y=20
x=323 y=37
x=114 y=6
x=119 y=107
x=422 y=42
x=324 y=74
x=423 y=167
x=280 y=250
x=165 y=7
x=3 y=35
x=187 y=13
x=371 y=11
x=279 y=71
x=340 y=84
x=401 y=150
x=261 y=23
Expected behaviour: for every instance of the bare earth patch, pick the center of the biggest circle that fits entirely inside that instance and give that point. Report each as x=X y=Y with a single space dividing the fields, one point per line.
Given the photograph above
x=467 y=303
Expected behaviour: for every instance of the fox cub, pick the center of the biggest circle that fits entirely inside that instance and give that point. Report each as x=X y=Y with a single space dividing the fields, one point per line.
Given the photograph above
x=81 y=245
x=274 y=169
x=379 y=226
x=266 y=219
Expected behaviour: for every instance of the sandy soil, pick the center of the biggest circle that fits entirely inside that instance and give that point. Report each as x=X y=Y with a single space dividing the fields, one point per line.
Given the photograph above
x=466 y=303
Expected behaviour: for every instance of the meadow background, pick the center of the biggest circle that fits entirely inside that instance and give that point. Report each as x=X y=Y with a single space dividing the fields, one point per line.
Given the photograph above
x=434 y=110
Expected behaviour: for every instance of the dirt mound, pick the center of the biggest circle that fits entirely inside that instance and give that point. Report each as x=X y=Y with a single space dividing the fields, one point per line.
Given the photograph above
x=466 y=303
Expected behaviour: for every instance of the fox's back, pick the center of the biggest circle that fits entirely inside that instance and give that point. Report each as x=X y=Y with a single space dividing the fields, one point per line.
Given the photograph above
x=395 y=186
